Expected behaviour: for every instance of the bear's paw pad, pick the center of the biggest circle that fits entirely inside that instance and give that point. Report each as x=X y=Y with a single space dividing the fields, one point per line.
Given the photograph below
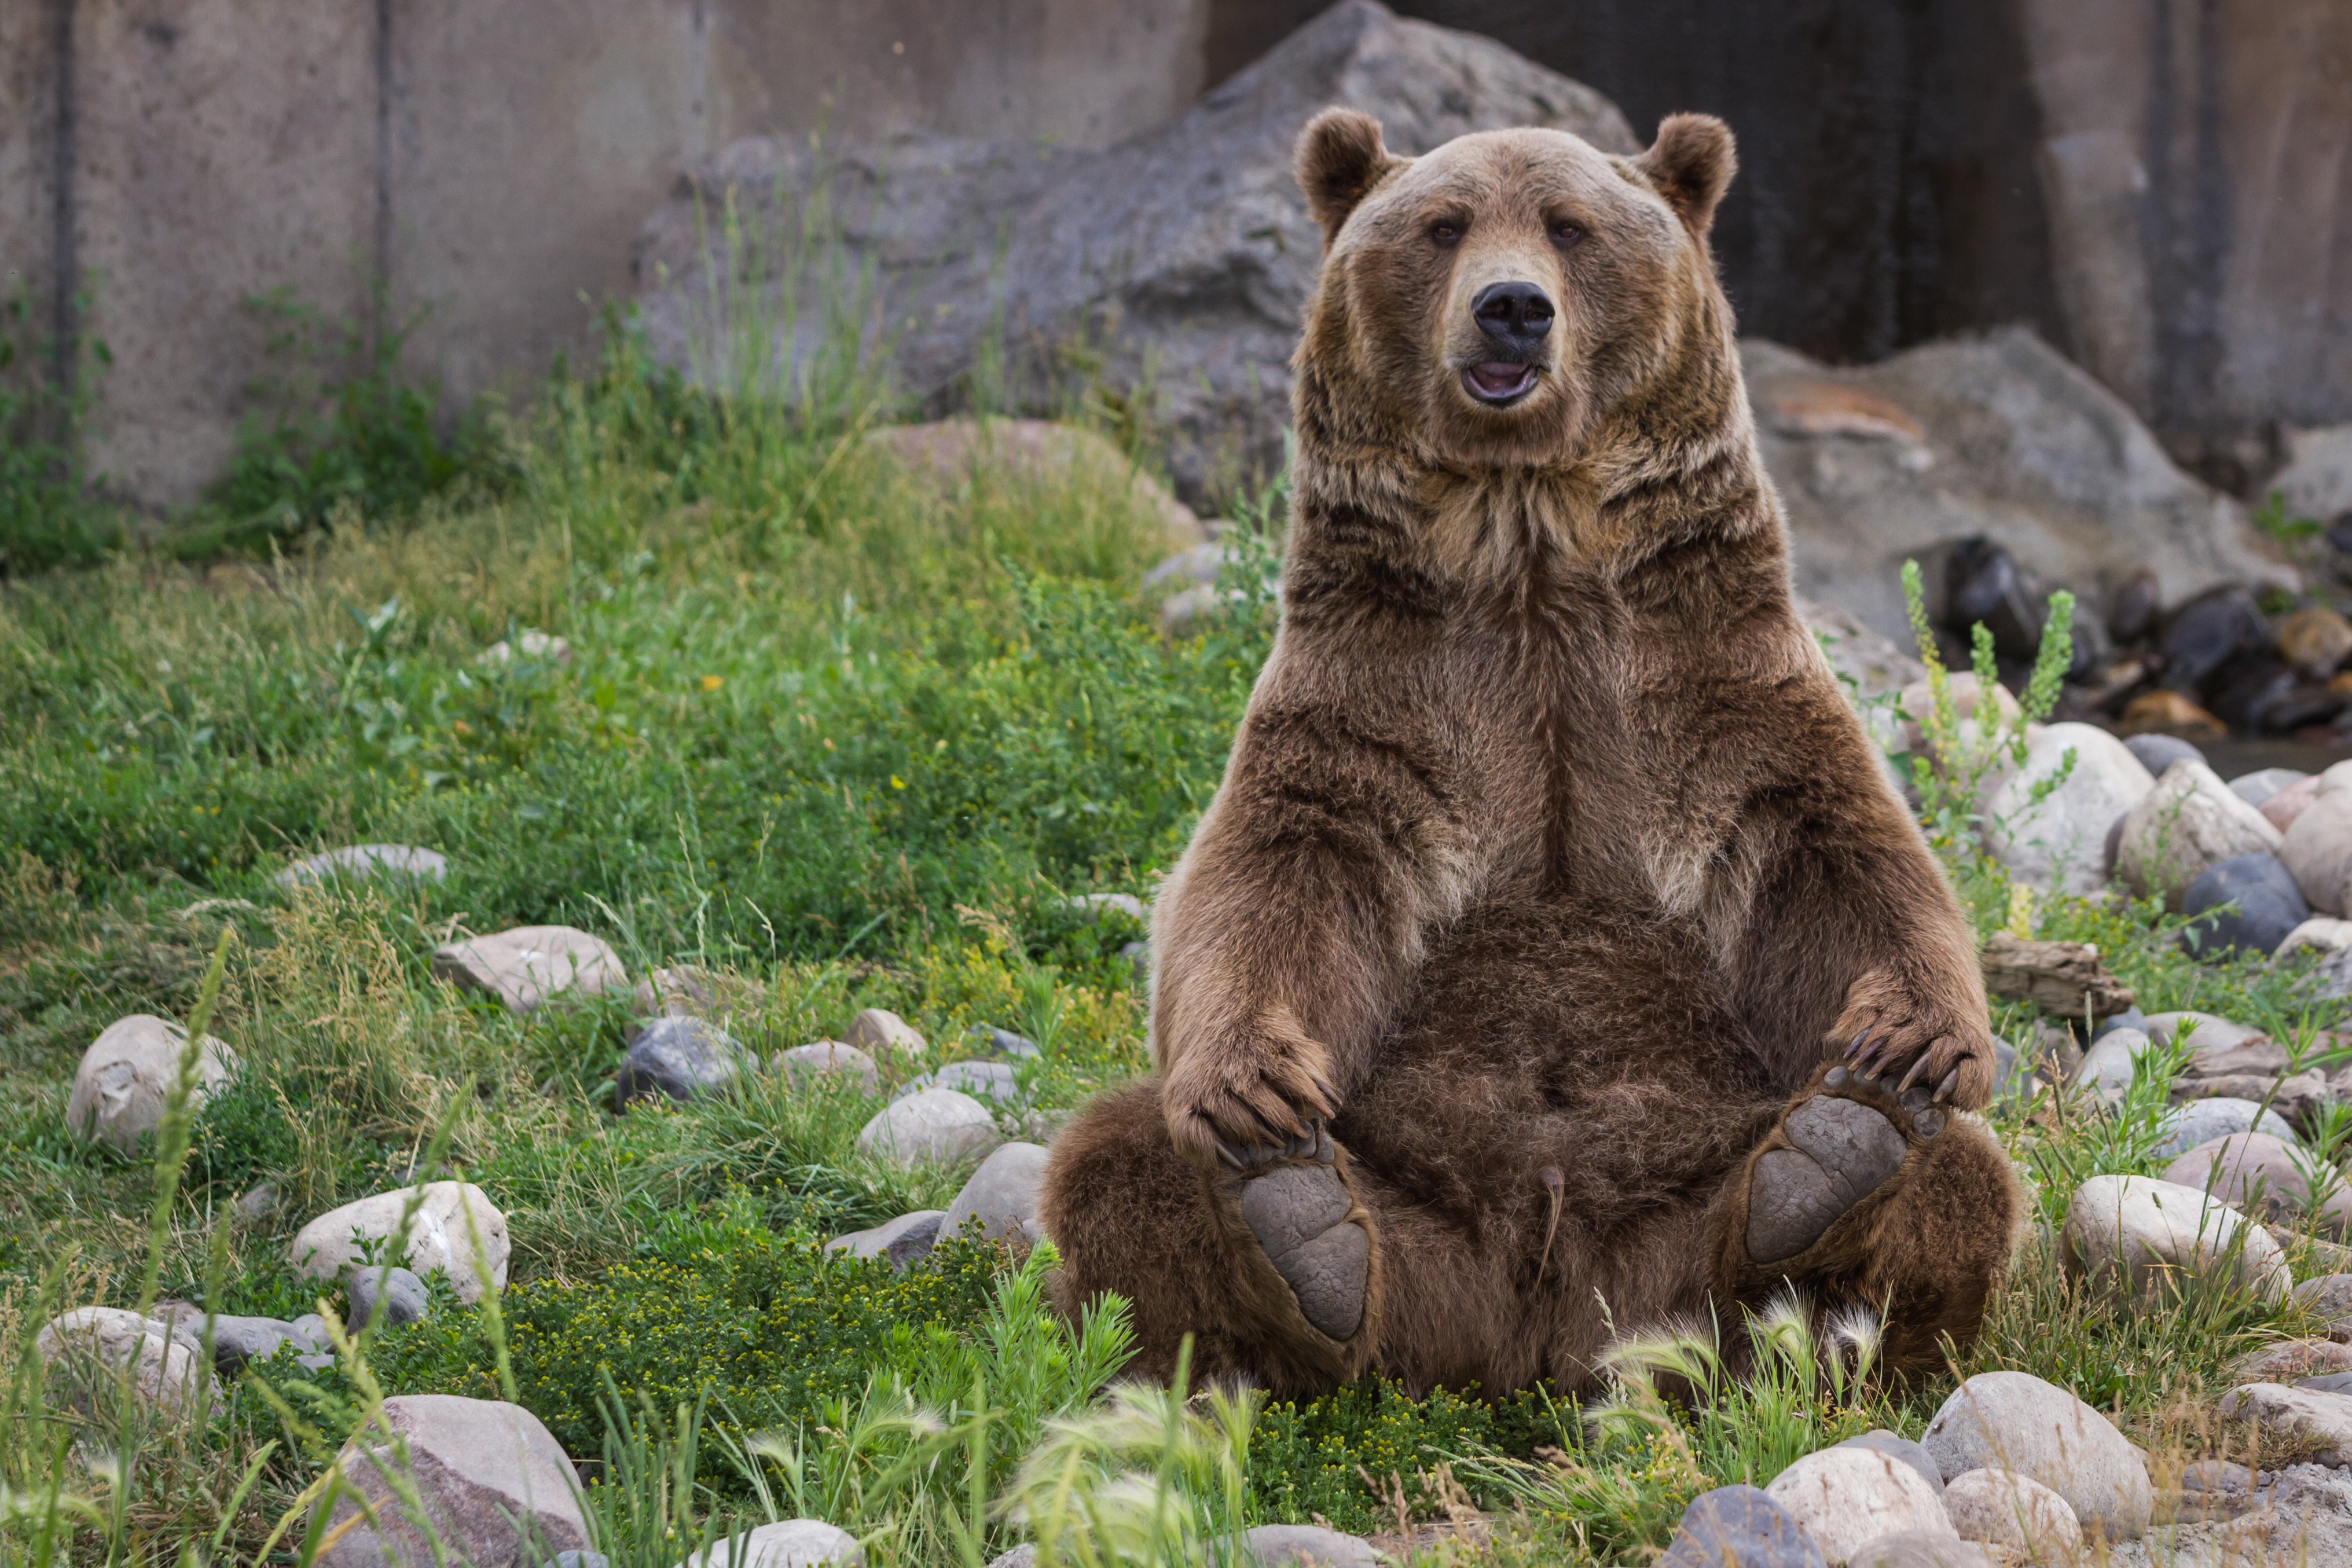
x=1843 y=1151
x=1299 y=1216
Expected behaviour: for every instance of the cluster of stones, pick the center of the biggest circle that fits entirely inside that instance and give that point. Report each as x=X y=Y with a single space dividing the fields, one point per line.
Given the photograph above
x=2148 y=814
x=2011 y=1468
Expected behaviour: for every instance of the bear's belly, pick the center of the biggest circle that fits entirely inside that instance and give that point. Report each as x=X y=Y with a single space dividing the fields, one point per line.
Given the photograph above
x=1543 y=1037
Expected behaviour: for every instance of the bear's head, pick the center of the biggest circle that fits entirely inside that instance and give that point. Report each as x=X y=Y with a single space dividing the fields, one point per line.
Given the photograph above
x=1492 y=302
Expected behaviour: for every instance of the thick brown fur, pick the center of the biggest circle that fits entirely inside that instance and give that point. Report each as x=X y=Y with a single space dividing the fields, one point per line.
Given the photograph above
x=1551 y=865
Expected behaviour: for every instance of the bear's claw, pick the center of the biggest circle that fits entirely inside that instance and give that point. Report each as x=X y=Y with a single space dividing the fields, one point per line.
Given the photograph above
x=1840 y=1150
x=1299 y=1215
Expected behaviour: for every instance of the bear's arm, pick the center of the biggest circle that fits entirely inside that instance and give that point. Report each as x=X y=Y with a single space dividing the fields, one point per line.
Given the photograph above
x=1837 y=923
x=1286 y=934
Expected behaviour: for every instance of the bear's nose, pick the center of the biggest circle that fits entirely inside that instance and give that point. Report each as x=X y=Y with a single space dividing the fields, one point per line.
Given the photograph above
x=1514 y=316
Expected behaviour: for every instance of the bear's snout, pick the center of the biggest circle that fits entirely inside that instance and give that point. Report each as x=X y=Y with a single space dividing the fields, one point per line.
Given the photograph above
x=1513 y=320
x=1516 y=317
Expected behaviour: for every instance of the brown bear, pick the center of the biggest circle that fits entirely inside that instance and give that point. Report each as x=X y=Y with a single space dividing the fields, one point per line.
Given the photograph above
x=1555 y=959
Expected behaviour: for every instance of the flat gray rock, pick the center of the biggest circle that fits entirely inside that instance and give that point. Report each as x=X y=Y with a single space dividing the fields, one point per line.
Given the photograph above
x=826 y=1059
x=2184 y=1127
x=936 y=1125
x=1894 y=1447
x=677 y=1058
x=398 y=1293
x=357 y=860
x=995 y=1081
x=1308 y=1546
x=1003 y=1042
x=901 y=1242
x=1003 y=1194
x=527 y=966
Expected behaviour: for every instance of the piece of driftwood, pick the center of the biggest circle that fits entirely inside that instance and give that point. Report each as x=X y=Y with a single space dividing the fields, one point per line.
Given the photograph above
x=2061 y=977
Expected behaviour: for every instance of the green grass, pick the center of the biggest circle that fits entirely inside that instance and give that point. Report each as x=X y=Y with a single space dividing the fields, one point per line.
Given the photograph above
x=845 y=739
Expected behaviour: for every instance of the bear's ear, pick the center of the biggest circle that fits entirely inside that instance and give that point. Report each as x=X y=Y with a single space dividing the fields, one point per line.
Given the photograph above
x=1341 y=157
x=1691 y=163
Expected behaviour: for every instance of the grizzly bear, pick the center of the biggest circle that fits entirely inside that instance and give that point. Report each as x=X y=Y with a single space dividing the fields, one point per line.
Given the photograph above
x=1555 y=960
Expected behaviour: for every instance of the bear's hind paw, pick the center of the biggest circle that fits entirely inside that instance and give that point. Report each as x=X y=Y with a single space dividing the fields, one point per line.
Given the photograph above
x=1843 y=1145
x=1302 y=1216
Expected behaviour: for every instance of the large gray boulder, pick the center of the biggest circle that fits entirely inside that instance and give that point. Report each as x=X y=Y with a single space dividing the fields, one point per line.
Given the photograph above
x=1182 y=256
x=492 y=1486
x=1999 y=436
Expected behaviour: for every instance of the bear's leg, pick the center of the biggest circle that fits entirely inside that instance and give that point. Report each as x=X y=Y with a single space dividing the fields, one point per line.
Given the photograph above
x=1274 y=1269
x=1860 y=1196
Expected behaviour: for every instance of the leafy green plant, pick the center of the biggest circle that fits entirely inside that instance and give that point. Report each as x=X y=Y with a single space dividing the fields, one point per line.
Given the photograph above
x=2273 y=518
x=1962 y=754
x=766 y=1327
x=1343 y=1456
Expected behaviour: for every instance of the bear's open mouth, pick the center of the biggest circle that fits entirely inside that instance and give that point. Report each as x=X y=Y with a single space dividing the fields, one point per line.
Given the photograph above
x=1498 y=382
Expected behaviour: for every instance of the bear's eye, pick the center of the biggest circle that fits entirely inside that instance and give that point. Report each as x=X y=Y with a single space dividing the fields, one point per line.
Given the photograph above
x=1565 y=232
x=1444 y=234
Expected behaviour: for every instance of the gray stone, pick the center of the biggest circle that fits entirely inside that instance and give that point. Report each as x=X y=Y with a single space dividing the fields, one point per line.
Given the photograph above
x=980 y=1080
x=2183 y=1127
x=1845 y=1497
x=901 y=1242
x=237 y=1340
x=2317 y=845
x=1308 y=1546
x=2188 y=823
x=1921 y=1549
x=1739 y=1527
x=1003 y=1042
x=2200 y=1033
x=309 y=1331
x=879 y=1033
x=357 y=860
x=794 y=1543
x=85 y=1351
x=2015 y=1513
x=678 y=1058
x=2057 y=843
x=1896 y=1447
x=257 y=1202
x=2133 y=1231
x=580 y=1560
x=1003 y=1194
x=529 y=964
x=440 y=1236
x=1182 y=255
x=398 y=1292
x=2268 y=906
x=2255 y=788
x=2113 y=1061
x=1997 y=436
x=2258 y=1173
x=2329 y=1298
x=826 y=1059
x=1022 y=1556
x=2130 y=1017
x=2309 y=1417
x=2160 y=752
x=495 y=1488
x=937 y=1125
x=126 y=1078
x=2034 y=1429
x=2007 y=1082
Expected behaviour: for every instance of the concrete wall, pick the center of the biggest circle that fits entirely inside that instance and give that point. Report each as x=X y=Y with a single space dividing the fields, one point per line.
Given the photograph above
x=489 y=160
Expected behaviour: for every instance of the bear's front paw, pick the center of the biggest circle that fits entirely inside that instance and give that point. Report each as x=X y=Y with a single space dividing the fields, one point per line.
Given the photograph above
x=1889 y=1030
x=1233 y=1100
